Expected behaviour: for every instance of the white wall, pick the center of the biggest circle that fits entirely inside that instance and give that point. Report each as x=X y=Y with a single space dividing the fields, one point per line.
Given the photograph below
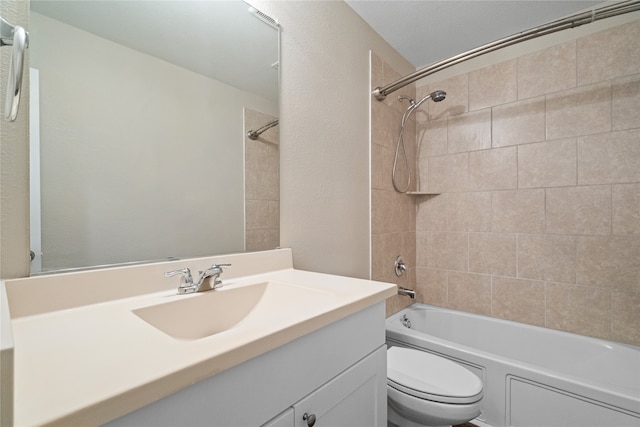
x=141 y=159
x=324 y=132
x=14 y=158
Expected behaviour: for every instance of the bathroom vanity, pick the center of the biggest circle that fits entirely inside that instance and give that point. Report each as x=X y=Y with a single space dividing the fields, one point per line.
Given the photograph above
x=274 y=346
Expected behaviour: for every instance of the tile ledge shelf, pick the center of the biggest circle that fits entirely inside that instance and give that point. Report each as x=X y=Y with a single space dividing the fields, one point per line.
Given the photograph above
x=421 y=193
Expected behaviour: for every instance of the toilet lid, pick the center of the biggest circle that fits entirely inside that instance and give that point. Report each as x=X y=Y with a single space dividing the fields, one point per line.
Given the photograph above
x=427 y=376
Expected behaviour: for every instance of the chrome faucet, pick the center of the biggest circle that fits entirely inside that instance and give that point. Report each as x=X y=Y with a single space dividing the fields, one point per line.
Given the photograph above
x=186 y=280
x=407 y=292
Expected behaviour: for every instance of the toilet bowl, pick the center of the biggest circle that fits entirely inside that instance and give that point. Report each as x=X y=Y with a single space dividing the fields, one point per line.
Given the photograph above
x=427 y=390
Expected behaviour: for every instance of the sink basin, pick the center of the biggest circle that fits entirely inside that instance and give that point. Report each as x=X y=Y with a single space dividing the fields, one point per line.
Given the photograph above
x=203 y=314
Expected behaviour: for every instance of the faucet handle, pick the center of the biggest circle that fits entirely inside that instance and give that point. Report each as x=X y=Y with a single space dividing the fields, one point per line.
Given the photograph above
x=216 y=269
x=186 y=275
x=214 y=272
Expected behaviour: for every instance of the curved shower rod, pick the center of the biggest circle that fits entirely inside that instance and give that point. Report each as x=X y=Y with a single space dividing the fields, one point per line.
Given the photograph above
x=254 y=134
x=562 y=24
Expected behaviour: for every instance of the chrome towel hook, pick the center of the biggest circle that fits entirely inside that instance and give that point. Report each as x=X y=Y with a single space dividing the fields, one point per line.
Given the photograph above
x=17 y=37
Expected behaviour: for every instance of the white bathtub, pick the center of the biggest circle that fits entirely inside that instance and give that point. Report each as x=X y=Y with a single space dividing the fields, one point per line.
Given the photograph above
x=532 y=376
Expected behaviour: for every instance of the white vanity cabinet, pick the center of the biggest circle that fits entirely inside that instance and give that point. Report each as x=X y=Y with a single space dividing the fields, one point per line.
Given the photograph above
x=285 y=419
x=351 y=399
x=336 y=374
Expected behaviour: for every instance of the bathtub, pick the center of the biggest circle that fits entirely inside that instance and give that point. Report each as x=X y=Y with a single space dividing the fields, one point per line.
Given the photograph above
x=532 y=376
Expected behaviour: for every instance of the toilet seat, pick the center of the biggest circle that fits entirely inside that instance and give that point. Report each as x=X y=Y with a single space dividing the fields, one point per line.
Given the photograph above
x=427 y=376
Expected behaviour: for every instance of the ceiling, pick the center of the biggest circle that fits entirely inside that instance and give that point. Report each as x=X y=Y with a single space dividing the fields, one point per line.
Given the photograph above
x=426 y=31
x=219 y=39
x=423 y=31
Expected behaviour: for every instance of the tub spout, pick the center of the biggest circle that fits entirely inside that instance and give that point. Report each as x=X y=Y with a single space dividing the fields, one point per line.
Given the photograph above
x=407 y=292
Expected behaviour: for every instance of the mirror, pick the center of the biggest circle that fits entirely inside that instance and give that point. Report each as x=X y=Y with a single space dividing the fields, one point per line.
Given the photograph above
x=140 y=112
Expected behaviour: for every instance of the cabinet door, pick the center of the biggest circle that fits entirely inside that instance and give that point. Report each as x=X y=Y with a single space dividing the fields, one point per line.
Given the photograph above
x=285 y=419
x=353 y=398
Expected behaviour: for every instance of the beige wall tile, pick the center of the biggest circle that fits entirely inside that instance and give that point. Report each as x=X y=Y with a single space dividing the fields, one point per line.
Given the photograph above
x=519 y=122
x=396 y=303
x=381 y=163
x=626 y=103
x=579 y=309
x=380 y=199
x=469 y=292
x=625 y=317
x=493 y=85
x=432 y=286
x=626 y=209
x=547 y=164
x=449 y=251
x=494 y=169
x=609 y=262
x=421 y=114
x=469 y=211
x=547 y=257
x=579 y=210
x=492 y=253
x=385 y=249
x=469 y=131
x=378 y=213
x=422 y=248
x=609 y=54
x=456 y=212
x=518 y=300
x=391 y=212
x=581 y=111
x=448 y=173
x=389 y=76
x=422 y=175
x=609 y=158
x=457 y=100
x=432 y=138
x=251 y=184
x=385 y=125
x=377 y=71
x=408 y=252
x=403 y=214
x=518 y=211
x=261 y=240
x=408 y=280
x=547 y=71
x=262 y=214
x=262 y=185
x=432 y=213
x=262 y=154
x=382 y=137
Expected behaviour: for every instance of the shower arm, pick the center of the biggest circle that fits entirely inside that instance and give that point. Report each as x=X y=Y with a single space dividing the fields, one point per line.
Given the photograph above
x=254 y=134
x=562 y=24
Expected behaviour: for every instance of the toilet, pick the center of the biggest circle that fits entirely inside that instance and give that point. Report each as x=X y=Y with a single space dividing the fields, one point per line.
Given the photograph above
x=427 y=390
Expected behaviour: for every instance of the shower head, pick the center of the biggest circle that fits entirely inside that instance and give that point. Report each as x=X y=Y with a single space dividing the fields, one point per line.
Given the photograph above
x=435 y=96
x=438 y=95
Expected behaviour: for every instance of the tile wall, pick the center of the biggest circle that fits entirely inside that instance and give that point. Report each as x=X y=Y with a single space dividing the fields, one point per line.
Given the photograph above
x=537 y=162
x=262 y=184
x=393 y=215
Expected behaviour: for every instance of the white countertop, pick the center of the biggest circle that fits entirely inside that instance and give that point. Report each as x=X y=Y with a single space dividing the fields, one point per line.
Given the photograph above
x=91 y=363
